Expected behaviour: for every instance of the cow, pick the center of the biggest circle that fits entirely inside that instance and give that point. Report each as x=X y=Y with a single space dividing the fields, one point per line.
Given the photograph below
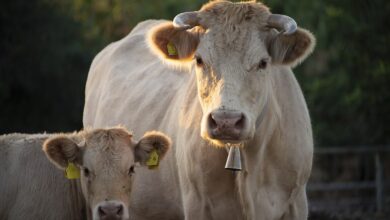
x=212 y=79
x=104 y=160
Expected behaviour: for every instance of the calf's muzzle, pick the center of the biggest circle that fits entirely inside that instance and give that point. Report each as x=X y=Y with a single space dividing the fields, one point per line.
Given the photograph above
x=110 y=211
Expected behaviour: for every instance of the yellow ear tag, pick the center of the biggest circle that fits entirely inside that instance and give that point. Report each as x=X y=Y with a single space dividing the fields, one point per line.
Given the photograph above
x=152 y=162
x=171 y=49
x=72 y=171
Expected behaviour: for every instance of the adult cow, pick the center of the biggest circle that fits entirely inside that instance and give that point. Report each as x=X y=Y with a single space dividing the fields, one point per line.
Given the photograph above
x=224 y=77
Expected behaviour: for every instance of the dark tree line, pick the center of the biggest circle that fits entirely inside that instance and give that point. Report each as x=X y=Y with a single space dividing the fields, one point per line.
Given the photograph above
x=46 y=48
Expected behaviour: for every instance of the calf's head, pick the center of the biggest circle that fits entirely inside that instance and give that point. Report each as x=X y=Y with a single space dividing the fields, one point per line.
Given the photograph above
x=107 y=160
x=234 y=48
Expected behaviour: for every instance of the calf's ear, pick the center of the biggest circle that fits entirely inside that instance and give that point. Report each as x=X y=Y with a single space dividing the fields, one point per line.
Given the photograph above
x=291 y=49
x=150 y=142
x=172 y=43
x=61 y=150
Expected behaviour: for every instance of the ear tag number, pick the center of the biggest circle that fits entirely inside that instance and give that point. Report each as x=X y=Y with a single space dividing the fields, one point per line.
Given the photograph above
x=152 y=162
x=72 y=171
x=171 y=49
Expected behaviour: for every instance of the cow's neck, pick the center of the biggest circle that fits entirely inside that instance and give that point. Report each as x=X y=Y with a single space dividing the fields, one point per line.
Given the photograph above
x=209 y=172
x=256 y=158
x=201 y=170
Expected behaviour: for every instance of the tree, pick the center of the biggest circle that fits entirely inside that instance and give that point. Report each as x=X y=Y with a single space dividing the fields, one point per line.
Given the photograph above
x=48 y=45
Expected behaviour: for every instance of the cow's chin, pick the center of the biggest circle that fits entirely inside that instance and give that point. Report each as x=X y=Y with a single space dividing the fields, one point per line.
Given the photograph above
x=225 y=143
x=222 y=142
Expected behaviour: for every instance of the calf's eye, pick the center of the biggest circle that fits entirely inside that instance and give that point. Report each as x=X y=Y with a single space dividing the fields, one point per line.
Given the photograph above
x=131 y=171
x=263 y=64
x=86 y=172
x=199 y=60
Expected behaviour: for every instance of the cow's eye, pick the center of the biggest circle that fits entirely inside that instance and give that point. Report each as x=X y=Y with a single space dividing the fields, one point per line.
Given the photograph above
x=263 y=64
x=86 y=172
x=199 y=60
x=131 y=171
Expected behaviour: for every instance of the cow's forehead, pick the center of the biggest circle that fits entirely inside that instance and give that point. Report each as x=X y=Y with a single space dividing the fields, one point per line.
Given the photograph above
x=222 y=13
x=240 y=45
x=108 y=148
x=236 y=38
x=112 y=160
x=233 y=27
x=108 y=138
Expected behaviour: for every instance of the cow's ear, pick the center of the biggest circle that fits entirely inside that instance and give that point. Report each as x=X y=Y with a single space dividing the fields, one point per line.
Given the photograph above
x=152 y=141
x=291 y=49
x=175 y=44
x=61 y=150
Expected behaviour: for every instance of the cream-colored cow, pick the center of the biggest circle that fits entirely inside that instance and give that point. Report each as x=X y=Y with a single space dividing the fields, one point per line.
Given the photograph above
x=32 y=188
x=218 y=76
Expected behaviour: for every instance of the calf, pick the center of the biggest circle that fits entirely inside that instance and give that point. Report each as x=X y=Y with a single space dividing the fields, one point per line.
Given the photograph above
x=104 y=159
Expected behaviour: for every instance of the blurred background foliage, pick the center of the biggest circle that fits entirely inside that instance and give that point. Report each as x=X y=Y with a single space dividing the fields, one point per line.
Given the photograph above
x=46 y=47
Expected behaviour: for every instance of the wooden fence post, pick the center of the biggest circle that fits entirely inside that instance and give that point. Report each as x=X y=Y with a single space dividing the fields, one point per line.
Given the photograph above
x=379 y=182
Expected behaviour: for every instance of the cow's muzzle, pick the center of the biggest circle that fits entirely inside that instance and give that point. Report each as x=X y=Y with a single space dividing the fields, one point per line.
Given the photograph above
x=226 y=125
x=111 y=210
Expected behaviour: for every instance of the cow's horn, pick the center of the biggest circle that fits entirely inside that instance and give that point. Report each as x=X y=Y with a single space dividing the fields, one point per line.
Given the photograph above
x=283 y=23
x=186 y=20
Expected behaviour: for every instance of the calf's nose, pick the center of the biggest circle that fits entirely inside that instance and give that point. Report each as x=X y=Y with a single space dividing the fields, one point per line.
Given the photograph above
x=110 y=211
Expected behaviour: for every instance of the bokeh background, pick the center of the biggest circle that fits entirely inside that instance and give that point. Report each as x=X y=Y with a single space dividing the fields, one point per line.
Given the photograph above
x=47 y=46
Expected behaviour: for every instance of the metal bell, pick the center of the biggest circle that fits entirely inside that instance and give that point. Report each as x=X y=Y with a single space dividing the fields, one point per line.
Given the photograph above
x=233 y=161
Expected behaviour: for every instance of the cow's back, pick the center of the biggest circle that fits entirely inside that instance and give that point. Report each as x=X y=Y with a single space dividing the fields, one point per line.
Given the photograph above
x=127 y=73
x=30 y=186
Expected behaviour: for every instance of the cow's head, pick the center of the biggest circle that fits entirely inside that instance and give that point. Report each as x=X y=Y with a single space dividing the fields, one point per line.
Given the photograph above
x=107 y=159
x=235 y=48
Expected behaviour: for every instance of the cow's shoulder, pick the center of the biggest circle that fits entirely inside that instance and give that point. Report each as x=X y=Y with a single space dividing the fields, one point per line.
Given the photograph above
x=18 y=147
x=13 y=138
x=132 y=44
x=26 y=175
x=144 y=26
x=136 y=35
x=135 y=43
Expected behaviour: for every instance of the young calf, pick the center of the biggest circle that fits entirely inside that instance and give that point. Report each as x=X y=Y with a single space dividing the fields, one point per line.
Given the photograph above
x=31 y=189
x=107 y=159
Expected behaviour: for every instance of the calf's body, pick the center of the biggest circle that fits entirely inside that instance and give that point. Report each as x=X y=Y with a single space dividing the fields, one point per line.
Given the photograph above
x=30 y=186
x=103 y=161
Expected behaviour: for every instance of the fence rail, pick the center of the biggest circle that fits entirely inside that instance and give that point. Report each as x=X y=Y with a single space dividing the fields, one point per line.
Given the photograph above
x=352 y=149
x=378 y=184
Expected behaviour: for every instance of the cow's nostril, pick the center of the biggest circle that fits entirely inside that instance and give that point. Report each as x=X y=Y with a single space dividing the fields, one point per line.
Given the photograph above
x=240 y=123
x=212 y=123
x=120 y=210
x=101 y=211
